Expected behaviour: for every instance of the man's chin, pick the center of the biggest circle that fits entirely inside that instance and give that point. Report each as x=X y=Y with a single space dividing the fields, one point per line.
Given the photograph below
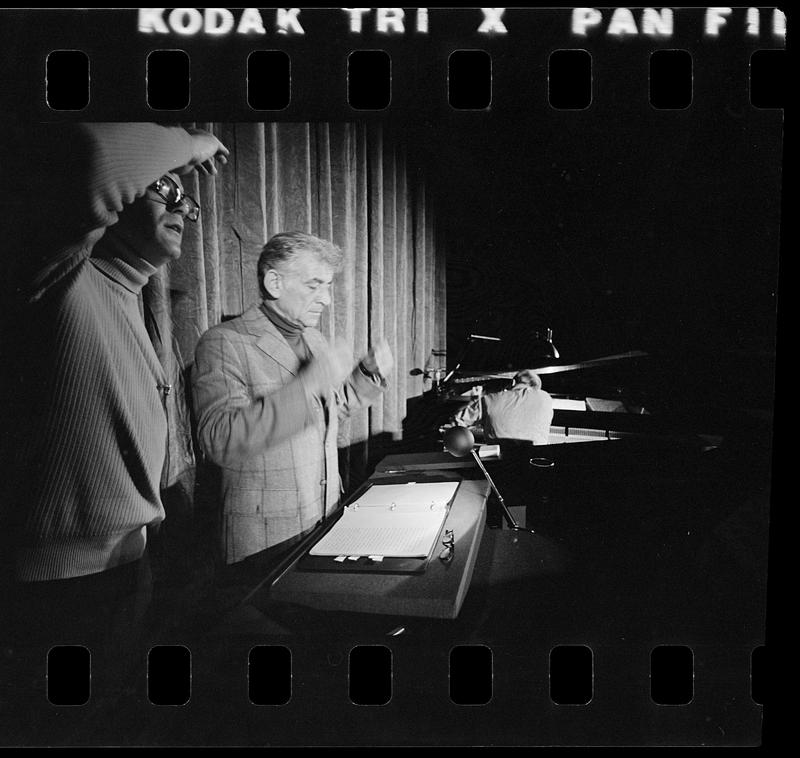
x=161 y=255
x=173 y=252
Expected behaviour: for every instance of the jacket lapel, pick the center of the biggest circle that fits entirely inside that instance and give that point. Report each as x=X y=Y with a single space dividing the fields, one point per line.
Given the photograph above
x=269 y=340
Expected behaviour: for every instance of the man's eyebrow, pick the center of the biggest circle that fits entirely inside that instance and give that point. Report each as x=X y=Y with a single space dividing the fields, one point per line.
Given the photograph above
x=317 y=280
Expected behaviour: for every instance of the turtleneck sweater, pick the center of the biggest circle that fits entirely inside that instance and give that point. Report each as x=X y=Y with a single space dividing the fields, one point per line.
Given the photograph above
x=91 y=456
x=291 y=332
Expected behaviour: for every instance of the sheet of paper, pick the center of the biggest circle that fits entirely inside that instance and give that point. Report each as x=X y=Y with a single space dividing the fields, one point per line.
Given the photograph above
x=394 y=521
x=489 y=451
x=373 y=531
x=566 y=404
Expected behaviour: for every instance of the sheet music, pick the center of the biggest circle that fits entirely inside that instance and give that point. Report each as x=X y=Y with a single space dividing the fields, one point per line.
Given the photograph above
x=391 y=520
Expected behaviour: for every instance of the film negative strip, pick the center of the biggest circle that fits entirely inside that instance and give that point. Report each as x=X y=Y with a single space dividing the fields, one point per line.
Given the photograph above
x=502 y=282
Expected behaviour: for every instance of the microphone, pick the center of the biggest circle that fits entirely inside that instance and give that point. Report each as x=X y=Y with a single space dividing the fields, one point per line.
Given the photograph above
x=484 y=337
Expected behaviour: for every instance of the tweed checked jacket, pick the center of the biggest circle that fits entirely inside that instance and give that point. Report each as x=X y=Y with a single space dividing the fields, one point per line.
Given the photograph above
x=274 y=441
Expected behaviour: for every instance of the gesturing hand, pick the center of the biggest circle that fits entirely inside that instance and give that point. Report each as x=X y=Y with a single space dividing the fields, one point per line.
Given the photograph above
x=379 y=359
x=329 y=368
x=206 y=148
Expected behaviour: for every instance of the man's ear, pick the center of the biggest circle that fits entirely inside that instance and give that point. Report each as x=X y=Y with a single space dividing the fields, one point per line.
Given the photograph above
x=272 y=283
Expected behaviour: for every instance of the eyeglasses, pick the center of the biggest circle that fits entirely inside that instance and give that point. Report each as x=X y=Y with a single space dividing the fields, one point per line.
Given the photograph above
x=173 y=196
x=449 y=542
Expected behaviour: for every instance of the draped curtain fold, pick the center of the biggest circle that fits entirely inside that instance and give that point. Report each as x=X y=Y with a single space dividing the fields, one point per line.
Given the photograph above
x=346 y=182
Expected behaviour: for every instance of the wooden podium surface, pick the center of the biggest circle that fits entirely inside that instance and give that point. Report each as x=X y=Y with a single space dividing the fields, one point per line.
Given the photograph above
x=438 y=592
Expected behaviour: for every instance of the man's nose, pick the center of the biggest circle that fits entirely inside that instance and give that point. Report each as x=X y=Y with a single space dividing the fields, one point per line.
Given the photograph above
x=180 y=207
x=325 y=297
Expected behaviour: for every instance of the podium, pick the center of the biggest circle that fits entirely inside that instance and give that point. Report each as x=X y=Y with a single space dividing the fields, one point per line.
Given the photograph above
x=437 y=592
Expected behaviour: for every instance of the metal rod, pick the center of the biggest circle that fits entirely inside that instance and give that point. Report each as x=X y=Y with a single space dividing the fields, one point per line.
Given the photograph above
x=512 y=522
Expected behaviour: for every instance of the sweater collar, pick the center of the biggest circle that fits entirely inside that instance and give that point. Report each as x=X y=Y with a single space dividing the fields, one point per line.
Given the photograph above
x=119 y=263
x=288 y=329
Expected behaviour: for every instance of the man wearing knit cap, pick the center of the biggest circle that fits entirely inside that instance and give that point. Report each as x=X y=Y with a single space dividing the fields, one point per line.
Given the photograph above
x=91 y=427
x=268 y=391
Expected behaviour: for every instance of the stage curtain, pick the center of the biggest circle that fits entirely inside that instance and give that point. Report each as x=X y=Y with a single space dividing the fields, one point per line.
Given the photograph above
x=347 y=182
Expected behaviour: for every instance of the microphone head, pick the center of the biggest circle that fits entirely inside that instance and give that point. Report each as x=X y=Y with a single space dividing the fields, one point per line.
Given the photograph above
x=458 y=441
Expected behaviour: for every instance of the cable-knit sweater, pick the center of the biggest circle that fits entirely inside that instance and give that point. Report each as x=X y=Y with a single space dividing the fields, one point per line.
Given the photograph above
x=92 y=449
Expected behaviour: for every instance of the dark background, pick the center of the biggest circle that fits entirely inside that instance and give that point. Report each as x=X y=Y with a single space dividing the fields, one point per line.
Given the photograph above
x=621 y=227
x=632 y=231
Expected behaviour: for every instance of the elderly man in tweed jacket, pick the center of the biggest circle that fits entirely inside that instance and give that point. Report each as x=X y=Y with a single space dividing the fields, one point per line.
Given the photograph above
x=268 y=392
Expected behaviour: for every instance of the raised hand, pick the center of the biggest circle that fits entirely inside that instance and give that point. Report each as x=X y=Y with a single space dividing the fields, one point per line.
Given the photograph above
x=329 y=368
x=206 y=150
x=379 y=359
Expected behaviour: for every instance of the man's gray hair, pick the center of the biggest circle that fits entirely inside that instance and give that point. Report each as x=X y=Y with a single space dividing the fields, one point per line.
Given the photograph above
x=529 y=377
x=282 y=249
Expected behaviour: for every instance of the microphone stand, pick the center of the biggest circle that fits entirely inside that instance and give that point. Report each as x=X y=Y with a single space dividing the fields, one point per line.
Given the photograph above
x=458 y=441
x=512 y=522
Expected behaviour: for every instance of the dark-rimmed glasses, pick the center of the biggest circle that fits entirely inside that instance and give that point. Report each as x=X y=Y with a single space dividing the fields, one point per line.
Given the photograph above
x=449 y=542
x=173 y=196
